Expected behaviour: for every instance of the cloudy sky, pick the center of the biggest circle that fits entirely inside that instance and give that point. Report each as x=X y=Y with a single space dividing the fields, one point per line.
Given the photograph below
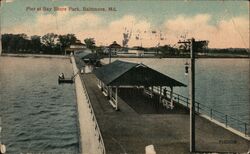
x=224 y=23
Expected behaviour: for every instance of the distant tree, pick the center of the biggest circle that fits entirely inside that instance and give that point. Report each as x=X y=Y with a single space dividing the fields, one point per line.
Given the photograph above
x=184 y=47
x=90 y=43
x=201 y=46
x=12 y=45
x=50 y=42
x=35 y=43
x=66 y=40
x=23 y=36
x=50 y=39
x=22 y=42
x=15 y=43
x=166 y=49
x=6 y=39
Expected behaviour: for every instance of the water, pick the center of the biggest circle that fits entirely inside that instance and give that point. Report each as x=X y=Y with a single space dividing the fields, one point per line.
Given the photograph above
x=38 y=115
x=221 y=84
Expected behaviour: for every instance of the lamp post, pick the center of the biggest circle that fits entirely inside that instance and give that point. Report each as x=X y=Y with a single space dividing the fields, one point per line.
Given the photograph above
x=191 y=92
x=192 y=96
x=193 y=44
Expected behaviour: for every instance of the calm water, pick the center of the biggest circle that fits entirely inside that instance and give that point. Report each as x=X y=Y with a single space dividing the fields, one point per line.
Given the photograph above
x=221 y=84
x=38 y=115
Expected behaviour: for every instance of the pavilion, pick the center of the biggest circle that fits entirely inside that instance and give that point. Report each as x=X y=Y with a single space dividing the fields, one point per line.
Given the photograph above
x=120 y=74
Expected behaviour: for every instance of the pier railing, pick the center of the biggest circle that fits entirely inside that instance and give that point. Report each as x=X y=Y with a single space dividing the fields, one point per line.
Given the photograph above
x=91 y=114
x=226 y=120
x=98 y=134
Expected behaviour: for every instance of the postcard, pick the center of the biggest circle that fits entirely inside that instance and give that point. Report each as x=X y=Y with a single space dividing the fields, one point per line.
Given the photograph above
x=124 y=76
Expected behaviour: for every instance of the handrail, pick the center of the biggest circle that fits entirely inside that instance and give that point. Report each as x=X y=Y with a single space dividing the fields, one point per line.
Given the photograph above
x=213 y=114
x=97 y=128
x=97 y=133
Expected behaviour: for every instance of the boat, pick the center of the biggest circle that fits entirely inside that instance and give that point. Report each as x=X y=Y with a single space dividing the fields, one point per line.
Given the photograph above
x=65 y=80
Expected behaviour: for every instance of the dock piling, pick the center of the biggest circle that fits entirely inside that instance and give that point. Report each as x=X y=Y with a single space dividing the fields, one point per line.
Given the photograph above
x=245 y=128
x=211 y=114
x=226 y=120
x=198 y=107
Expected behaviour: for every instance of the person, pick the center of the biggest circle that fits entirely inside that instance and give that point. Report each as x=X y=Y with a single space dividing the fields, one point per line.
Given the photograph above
x=61 y=76
x=165 y=92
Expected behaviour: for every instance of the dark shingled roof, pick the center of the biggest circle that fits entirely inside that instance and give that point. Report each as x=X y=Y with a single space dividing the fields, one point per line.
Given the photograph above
x=120 y=73
x=115 y=45
x=82 y=54
x=86 y=54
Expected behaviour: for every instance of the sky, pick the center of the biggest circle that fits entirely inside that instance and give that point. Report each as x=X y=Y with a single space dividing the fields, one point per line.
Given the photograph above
x=223 y=23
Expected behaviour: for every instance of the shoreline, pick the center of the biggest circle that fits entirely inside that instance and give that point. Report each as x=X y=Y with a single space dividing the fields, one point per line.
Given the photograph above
x=34 y=55
x=182 y=57
x=119 y=56
x=177 y=57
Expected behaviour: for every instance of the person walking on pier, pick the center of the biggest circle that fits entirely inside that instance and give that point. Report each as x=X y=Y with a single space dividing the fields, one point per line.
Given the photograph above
x=165 y=93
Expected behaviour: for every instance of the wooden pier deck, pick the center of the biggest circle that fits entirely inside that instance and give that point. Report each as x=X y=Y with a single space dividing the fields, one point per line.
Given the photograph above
x=137 y=125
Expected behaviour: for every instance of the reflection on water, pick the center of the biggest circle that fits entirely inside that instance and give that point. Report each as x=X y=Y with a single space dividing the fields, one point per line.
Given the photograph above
x=38 y=115
x=221 y=84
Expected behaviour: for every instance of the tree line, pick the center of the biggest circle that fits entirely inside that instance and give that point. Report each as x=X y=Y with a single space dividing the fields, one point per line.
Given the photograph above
x=47 y=44
x=52 y=43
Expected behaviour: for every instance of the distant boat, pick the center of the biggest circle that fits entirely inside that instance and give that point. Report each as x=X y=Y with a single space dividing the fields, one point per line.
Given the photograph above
x=65 y=80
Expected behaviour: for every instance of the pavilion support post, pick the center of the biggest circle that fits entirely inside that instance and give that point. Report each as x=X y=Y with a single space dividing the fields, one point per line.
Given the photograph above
x=99 y=82
x=116 y=98
x=110 y=92
x=160 y=95
x=102 y=85
x=171 y=97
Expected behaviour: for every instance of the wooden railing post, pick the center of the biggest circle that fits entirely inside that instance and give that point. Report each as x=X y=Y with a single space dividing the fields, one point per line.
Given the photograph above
x=198 y=107
x=185 y=101
x=245 y=129
x=211 y=114
x=226 y=121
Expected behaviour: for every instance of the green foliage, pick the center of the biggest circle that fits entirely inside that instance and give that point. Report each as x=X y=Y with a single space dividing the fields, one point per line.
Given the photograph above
x=55 y=44
x=50 y=39
x=35 y=43
x=90 y=43
x=201 y=46
x=66 y=40
x=49 y=43
x=15 y=42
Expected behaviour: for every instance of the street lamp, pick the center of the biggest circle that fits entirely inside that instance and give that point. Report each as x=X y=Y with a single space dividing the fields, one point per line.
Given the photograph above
x=191 y=92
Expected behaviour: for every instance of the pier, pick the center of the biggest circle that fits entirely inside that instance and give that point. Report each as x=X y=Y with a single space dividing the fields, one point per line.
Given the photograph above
x=142 y=122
